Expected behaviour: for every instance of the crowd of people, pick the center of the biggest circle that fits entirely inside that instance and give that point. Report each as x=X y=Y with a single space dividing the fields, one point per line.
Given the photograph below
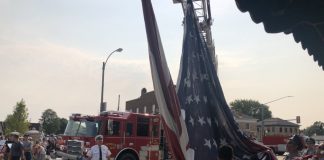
x=16 y=148
x=299 y=148
x=24 y=148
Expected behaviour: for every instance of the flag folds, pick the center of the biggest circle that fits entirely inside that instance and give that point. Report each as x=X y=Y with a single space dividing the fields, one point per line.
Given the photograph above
x=209 y=121
x=174 y=126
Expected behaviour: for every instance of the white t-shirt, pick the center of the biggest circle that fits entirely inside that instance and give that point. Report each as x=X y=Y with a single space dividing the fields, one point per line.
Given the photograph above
x=94 y=152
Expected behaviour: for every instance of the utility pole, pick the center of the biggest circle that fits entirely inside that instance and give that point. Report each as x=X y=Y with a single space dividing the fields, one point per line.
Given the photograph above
x=103 y=105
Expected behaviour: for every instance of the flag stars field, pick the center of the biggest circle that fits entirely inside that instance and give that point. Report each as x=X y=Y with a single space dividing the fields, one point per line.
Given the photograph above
x=207 y=143
x=201 y=120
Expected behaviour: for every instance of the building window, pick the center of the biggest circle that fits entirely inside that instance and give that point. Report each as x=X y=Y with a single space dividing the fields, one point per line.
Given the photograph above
x=280 y=129
x=286 y=130
x=290 y=129
x=273 y=129
x=144 y=109
x=247 y=126
x=295 y=130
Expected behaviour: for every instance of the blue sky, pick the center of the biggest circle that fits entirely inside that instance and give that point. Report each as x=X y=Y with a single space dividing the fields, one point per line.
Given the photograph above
x=51 y=54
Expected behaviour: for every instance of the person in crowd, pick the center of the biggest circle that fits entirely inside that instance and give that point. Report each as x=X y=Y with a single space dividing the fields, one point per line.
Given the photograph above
x=38 y=151
x=310 y=147
x=59 y=143
x=7 y=147
x=99 y=151
x=2 y=147
x=16 y=150
x=27 y=145
x=225 y=152
x=50 y=147
x=293 y=147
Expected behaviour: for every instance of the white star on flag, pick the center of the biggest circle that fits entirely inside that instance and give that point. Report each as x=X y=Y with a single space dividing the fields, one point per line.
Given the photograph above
x=189 y=99
x=187 y=82
x=192 y=121
x=197 y=99
x=207 y=143
x=223 y=142
x=201 y=120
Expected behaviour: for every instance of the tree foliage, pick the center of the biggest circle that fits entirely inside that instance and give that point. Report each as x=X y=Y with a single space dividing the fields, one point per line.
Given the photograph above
x=18 y=121
x=63 y=123
x=251 y=108
x=51 y=122
x=317 y=128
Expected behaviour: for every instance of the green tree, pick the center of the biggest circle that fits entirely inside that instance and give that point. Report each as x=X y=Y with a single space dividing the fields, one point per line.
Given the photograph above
x=317 y=128
x=51 y=122
x=63 y=123
x=251 y=108
x=18 y=120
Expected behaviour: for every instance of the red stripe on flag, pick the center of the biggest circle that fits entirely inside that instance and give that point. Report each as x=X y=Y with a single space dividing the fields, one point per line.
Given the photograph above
x=163 y=85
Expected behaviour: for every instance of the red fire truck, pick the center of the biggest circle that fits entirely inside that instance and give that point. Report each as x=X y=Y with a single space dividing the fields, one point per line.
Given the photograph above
x=276 y=142
x=130 y=136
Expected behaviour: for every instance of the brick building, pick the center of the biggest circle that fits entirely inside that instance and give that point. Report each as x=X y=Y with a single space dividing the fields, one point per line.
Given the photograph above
x=146 y=103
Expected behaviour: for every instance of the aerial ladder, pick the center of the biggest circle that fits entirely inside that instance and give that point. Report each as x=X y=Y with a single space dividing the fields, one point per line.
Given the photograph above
x=203 y=13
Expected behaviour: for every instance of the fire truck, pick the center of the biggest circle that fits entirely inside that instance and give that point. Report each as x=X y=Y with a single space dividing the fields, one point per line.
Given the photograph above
x=130 y=136
x=276 y=142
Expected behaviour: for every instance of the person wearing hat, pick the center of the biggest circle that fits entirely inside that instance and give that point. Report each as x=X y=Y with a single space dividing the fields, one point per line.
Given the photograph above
x=99 y=151
x=293 y=147
x=311 y=148
x=27 y=145
x=16 y=150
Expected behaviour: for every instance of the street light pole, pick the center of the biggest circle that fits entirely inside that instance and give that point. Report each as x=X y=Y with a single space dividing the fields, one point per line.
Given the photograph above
x=102 y=106
x=262 y=114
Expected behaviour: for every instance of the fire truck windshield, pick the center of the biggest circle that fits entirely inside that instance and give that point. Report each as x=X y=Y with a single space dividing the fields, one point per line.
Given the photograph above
x=81 y=128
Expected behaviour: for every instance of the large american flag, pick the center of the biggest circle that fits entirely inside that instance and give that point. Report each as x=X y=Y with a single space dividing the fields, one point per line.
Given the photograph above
x=209 y=120
x=166 y=96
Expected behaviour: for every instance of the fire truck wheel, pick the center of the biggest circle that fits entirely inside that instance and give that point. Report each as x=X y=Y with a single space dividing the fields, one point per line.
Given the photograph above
x=127 y=156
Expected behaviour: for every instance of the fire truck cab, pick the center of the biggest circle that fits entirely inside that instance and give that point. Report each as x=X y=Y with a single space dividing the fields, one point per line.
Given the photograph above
x=128 y=135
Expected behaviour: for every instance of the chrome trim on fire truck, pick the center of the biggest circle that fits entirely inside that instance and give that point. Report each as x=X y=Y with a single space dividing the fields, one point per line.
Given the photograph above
x=126 y=149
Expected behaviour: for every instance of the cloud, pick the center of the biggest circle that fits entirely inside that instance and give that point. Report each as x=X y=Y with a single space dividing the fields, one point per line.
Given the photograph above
x=66 y=79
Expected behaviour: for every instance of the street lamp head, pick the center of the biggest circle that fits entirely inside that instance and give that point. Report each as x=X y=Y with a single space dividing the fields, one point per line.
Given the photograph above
x=119 y=50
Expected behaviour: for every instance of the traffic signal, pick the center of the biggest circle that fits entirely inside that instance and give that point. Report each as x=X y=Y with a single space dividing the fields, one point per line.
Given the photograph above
x=298 y=119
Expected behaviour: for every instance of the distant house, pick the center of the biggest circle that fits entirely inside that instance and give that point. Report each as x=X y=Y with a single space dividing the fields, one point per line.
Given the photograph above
x=277 y=126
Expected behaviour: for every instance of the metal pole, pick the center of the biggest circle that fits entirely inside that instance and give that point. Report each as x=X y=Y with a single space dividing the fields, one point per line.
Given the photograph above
x=118 y=102
x=102 y=107
x=262 y=123
x=102 y=86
